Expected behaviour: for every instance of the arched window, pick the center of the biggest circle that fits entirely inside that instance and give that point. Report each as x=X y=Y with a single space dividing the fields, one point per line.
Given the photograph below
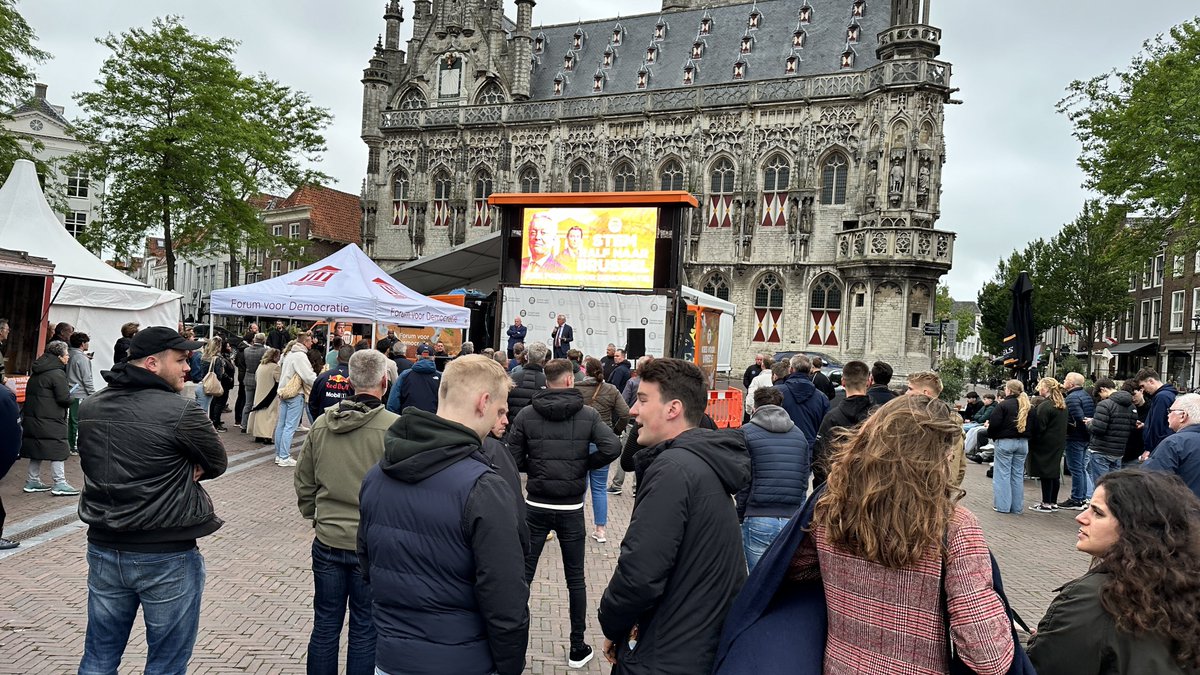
x=833 y=179
x=720 y=194
x=776 y=174
x=768 y=308
x=826 y=294
x=672 y=176
x=624 y=177
x=580 y=178
x=442 y=183
x=769 y=293
x=530 y=182
x=722 y=177
x=400 y=185
x=482 y=216
x=716 y=285
x=490 y=94
x=413 y=99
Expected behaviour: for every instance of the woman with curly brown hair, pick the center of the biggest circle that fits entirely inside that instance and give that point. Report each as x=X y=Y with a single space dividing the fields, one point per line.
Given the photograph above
x=887 y=535
x=1137 y=611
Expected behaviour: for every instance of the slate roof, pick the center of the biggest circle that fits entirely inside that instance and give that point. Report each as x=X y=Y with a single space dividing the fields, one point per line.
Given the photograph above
x=824 y=45
x=41 y=105
x=334 y=215
x=960 y=305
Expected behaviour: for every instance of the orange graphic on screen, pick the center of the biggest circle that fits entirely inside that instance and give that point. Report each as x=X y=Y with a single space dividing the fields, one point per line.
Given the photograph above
x=589 y=247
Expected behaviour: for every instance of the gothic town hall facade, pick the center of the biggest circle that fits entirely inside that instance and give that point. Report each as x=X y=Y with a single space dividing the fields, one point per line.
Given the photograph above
x=811 y=132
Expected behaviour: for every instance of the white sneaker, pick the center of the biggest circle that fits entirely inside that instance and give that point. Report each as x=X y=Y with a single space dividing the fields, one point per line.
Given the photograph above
x=287 y=461
x=303 y=429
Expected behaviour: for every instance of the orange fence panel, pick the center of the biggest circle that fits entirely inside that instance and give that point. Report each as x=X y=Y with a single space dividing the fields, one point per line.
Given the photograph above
x=725 y=407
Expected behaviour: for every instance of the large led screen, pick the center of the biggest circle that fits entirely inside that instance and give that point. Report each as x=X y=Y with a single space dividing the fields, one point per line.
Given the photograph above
x=594 y=247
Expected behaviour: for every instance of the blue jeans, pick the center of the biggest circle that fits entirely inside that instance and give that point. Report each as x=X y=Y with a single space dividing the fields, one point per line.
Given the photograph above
x=757 y=534
x=1076 y=464
x=1008 y=474
x=290 y=410
x=337 y=580
x=598 y=480
x=202 y=399
x=1098 y=465
x=168 y=587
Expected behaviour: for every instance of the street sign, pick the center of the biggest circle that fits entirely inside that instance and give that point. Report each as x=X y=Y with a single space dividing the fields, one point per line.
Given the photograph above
x=933 y=329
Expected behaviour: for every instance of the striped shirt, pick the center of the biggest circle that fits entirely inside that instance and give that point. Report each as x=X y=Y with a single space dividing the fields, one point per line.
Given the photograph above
x=885 y=620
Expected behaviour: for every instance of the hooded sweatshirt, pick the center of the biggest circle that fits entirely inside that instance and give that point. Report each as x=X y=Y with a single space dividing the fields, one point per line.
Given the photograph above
x=438 y=542
x=343 y=445
x=416 y=387
x=805 y=403
x=779 y=465
x=849 y=413
x=681 y=559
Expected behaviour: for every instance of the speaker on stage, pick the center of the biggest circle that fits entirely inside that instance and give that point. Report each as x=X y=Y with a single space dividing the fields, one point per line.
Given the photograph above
x=635 y=343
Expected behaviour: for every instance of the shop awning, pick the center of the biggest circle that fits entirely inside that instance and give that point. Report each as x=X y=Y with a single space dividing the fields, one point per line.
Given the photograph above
x=1133 y=347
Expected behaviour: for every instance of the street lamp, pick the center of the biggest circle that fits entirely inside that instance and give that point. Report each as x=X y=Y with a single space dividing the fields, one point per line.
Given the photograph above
x=1195 y=343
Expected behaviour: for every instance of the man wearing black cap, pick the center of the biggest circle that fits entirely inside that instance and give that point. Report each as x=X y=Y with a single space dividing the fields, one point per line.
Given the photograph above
x=144 y=449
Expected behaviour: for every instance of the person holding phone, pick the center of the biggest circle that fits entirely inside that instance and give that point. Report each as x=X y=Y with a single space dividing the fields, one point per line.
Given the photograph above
x=80 y=381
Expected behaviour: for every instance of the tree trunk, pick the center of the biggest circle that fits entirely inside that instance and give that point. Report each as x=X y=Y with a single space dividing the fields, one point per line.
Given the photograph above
x=168 y=243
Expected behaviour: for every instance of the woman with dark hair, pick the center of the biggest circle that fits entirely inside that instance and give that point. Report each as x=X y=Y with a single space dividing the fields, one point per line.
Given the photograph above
x=613 y=411
x=1137 y=610
x=1136 y=443
x=121 y=349
x=887 y=536
x=44 y=421
x=1048 y=443
x=227 y=376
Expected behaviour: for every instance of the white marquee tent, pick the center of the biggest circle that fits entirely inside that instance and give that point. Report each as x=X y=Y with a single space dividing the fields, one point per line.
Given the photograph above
x=88 y=293
x=346 y=285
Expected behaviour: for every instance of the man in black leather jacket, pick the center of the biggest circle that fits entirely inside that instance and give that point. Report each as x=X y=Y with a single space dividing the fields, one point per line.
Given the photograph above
x=143 y=449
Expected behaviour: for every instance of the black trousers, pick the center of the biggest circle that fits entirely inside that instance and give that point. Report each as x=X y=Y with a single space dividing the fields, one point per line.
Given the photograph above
x=240 y=402
x=217 y=406
x=3 y=515
x=1050 y=488
x=572 y=540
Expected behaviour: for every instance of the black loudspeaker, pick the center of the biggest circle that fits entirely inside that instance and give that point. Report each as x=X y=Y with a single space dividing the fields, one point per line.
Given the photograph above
x=635 y=343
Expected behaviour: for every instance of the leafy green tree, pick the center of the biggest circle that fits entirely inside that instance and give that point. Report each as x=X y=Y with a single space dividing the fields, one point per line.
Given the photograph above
x=18 y=53
x=944 y=310
x=1089 y=263
x=1139 y=128
x=995 y=297
x=953 y=372
x=186 y=141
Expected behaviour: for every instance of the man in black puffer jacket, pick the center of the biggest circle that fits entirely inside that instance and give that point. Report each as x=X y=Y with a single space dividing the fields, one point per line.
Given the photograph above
x=529 y=381
x=143 y=449
x=550 y=439
x=1115 y=419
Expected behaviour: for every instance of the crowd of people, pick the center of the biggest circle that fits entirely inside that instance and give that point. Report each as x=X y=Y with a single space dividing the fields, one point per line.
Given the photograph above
x=833 y=513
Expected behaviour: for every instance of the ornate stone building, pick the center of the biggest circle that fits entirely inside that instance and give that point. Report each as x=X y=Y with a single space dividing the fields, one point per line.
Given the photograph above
x=811 y=131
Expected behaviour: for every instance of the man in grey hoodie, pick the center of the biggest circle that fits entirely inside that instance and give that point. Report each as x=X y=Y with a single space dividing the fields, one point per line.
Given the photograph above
x=81 y=382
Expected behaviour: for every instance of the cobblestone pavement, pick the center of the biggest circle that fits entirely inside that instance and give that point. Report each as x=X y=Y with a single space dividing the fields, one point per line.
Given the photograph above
x=257 y=613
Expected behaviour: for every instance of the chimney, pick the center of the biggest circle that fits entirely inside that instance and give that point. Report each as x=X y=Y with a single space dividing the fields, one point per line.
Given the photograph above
x=39 y=91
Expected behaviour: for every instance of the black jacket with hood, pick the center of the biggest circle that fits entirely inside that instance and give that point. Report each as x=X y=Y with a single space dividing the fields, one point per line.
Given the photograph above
x=139 y=442
x=1114 y=421
x=438 y=542
x=850 y=413
x=526 y=383
x=681 y=559
x=549 y=441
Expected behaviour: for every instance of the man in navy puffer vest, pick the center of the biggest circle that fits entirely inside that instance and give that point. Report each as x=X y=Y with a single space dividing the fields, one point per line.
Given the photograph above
x=438 y=537
x=780 y=463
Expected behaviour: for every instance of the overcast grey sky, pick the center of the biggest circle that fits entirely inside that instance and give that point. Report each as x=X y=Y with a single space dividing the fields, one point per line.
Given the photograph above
x=1010 y=175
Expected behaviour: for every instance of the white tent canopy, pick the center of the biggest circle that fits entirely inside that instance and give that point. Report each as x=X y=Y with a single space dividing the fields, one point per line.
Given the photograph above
x=346 y=285
x=88 y=293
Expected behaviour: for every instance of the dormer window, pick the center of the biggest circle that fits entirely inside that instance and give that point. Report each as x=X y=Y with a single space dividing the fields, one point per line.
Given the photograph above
x=689 y=73
x=618 y=32
x=609 y=56
x=739 y=70
x=706 y=25
x=598 y=82
x=560 y=82
x=747 y=45
x=569 y=62
x=848 y=58
x=577 y=40
x=539 y=43
x=860 y=9
x=806 y=14
x=651 y=54
x=697 y=50
x=755 y=20
x=799 y=38
x=660 y=29
x=643 y=78
x=852 y=33
x=792 y=66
